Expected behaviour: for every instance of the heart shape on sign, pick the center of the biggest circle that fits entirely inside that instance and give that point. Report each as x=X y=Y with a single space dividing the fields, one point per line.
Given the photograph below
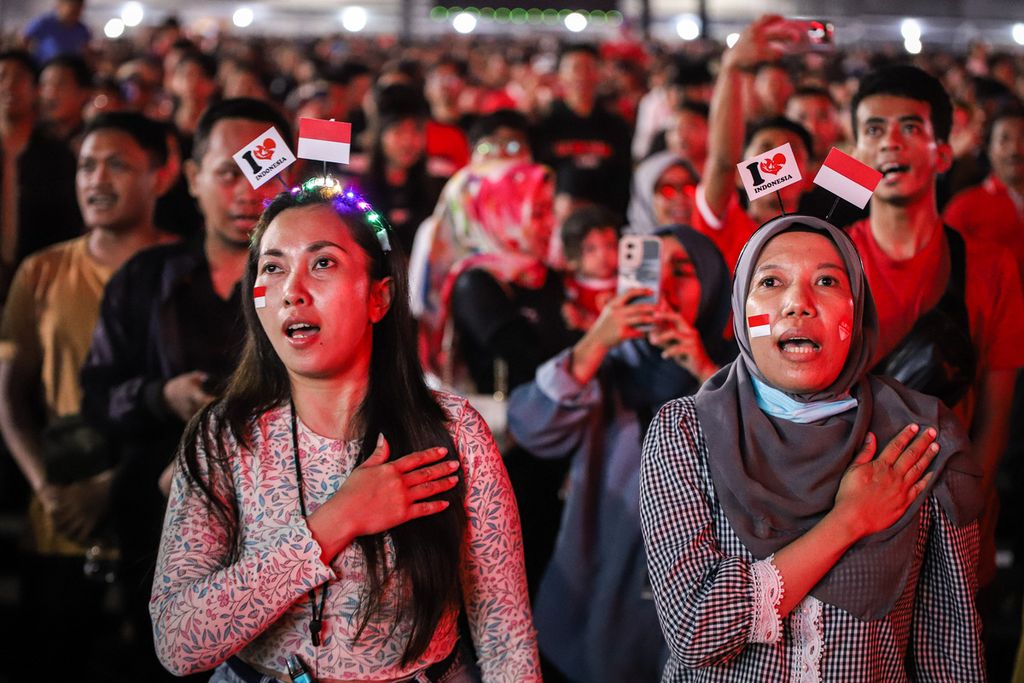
x=266 y=150
x=773 y=165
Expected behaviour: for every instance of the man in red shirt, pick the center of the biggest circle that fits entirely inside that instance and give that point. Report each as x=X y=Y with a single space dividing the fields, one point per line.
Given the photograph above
x=720 y=215
x=901 y=122
x=994 y=210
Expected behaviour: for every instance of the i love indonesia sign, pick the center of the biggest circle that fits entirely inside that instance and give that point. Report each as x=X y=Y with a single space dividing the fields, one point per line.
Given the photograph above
x=264 y=157
x=769 y=171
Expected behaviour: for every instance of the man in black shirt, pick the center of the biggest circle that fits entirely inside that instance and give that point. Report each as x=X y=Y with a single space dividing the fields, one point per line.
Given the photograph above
x=588 y=146
x=169 y=334
x=37 y=172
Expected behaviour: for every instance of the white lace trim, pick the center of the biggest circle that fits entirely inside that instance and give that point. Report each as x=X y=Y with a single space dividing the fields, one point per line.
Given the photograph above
x=768 y=591
x=808 y=633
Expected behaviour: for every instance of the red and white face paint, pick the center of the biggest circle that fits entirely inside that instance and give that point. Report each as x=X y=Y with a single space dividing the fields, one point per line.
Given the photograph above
x=259 y=297
x=759 y=325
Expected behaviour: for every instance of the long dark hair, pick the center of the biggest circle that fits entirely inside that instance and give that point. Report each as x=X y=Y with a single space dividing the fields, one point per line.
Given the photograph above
x=398 y=404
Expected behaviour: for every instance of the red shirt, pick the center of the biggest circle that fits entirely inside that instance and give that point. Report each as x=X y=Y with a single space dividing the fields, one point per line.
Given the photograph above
x=990 y=211
x=903 y=290
x=590 y=295
x=729 y=233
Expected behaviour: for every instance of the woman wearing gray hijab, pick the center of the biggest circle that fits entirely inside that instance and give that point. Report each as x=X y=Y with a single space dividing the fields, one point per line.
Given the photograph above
x=665 y=192
x=804 y=521
x=662 y=193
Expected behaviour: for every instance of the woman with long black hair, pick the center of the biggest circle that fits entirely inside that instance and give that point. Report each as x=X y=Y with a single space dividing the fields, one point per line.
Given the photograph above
x=330 y=506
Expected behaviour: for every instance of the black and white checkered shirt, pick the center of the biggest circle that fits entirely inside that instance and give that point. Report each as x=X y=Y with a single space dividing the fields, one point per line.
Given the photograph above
x=701 y=576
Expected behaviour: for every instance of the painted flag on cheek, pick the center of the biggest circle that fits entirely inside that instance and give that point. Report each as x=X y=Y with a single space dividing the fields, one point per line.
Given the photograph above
x=259 y=297
x=325 y=140
x=844 y=176
x=759 y=326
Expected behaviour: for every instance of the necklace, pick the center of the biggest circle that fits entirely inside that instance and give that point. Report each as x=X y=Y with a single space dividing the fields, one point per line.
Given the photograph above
x=316 y=618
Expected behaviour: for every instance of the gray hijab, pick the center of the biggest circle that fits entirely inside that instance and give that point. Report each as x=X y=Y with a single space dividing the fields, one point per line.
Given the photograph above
x=775 y=479
x=640 y=214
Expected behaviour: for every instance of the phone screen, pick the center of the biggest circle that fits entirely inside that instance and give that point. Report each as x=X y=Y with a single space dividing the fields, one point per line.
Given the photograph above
x=820 y=36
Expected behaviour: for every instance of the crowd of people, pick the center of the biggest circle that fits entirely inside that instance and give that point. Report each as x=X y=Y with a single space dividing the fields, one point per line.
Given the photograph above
x=397 y=419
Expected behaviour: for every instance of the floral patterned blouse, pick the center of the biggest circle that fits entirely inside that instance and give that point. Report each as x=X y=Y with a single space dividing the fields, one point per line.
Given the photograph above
x=204 y=612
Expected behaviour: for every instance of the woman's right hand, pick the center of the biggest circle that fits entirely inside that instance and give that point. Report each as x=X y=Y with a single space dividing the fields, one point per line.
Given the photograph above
x=380 y=495
x=766 y=39
x=617 y=322
x=875 y=492
x=620 y=318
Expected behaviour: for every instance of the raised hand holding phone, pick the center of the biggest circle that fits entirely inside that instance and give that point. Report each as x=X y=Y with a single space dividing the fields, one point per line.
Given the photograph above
x=626 y=316
x=640 y=268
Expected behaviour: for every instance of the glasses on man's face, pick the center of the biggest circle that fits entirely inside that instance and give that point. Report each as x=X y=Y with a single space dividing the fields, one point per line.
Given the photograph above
x=672 y=191
x=499 y=148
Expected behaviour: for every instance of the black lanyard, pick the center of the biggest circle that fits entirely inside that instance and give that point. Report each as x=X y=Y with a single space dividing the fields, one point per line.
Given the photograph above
x=316 y=619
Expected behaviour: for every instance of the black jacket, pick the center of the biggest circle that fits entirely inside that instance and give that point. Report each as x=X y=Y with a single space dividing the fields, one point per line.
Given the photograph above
x=140 y=340
x=590 y=155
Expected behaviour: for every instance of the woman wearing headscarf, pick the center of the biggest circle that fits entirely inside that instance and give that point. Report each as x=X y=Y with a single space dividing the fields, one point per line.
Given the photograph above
x=486 y=284
x=451 y=232
x=491 y=313
x=805 y=521
x=664 y=192
x=592 y=404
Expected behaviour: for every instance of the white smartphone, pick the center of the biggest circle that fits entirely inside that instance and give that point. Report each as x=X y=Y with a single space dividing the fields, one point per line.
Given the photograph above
x=640 y=266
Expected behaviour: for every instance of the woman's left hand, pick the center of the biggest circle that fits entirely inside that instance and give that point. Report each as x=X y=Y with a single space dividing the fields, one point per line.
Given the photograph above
x=681 y=342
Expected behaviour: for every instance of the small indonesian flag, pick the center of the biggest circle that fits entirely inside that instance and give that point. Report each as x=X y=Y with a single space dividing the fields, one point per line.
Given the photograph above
x=848 y=178
x=259 y=297
x=759 y=325
x=769 y=172
x=325 y=140
x=264 y=157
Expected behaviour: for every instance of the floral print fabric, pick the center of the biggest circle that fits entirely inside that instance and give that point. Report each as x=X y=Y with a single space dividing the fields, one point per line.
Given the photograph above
x=204 y=612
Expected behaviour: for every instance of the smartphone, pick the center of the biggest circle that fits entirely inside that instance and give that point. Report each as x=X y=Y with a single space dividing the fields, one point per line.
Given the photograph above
x=640 y=266
x=820 y=36
x=817 y=36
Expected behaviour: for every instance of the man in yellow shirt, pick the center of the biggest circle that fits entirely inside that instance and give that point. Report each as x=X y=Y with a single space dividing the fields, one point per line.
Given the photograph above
x=46 y=329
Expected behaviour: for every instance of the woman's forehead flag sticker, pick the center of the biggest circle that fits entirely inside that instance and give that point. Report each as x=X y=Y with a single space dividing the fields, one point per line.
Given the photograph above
x=759 y=325
x=259 y=297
